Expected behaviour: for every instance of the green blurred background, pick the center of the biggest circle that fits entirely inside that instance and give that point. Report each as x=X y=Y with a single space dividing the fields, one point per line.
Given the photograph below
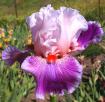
x=91 y=9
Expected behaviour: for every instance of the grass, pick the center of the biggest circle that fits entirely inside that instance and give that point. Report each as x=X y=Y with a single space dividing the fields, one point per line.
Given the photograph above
x=14 y=83
x=90 y=9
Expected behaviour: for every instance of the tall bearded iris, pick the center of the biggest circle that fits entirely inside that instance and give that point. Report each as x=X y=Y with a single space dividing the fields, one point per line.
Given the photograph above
x=55 y=35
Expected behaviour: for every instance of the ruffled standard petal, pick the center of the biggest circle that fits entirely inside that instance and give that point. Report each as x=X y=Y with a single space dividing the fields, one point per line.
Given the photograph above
x=45 y=30
x=92 y=35
x=64 y=74
x=72 y=24
x=37 y=20
x=12 y=54
x=53 y=30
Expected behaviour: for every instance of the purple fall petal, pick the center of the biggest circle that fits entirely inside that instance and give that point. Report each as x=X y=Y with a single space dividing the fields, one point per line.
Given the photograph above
x=12 y=54
x=92 y=35
x=64 y=74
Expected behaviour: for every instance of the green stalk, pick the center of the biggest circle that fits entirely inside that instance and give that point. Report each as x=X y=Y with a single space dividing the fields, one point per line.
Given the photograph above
x=53 y=98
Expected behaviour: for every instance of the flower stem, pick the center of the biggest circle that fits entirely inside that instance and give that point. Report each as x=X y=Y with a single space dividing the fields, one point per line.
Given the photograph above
x=53 y=98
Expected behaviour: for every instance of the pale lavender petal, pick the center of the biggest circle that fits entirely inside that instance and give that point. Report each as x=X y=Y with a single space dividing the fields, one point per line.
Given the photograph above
x=12 y=54
x=92 y=35
x=53 y=30
x=72 y=24
x=45 y=30
x=64 y=74
x=36 y=20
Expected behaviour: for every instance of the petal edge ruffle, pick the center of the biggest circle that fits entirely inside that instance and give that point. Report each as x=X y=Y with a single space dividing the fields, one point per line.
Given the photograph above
x=64 y=74
x=92 y=35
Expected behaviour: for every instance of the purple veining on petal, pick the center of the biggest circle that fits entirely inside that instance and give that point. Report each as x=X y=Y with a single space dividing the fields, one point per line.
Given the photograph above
x=12 y=54
x=92 y=35
x=64 y=74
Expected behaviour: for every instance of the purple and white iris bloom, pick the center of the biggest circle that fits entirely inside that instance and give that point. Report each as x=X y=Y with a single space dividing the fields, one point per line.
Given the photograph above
x=55 y=35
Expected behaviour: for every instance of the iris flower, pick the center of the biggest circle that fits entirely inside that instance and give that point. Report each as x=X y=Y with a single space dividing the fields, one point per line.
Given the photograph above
x=56 y=35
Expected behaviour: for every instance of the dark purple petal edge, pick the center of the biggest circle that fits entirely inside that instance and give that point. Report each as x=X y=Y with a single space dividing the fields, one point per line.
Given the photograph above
x=12 y=54
x=93 y=35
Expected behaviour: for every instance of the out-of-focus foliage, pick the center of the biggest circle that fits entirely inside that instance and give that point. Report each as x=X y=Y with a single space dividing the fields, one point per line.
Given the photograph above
x=14 y=83
x=91 y=9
